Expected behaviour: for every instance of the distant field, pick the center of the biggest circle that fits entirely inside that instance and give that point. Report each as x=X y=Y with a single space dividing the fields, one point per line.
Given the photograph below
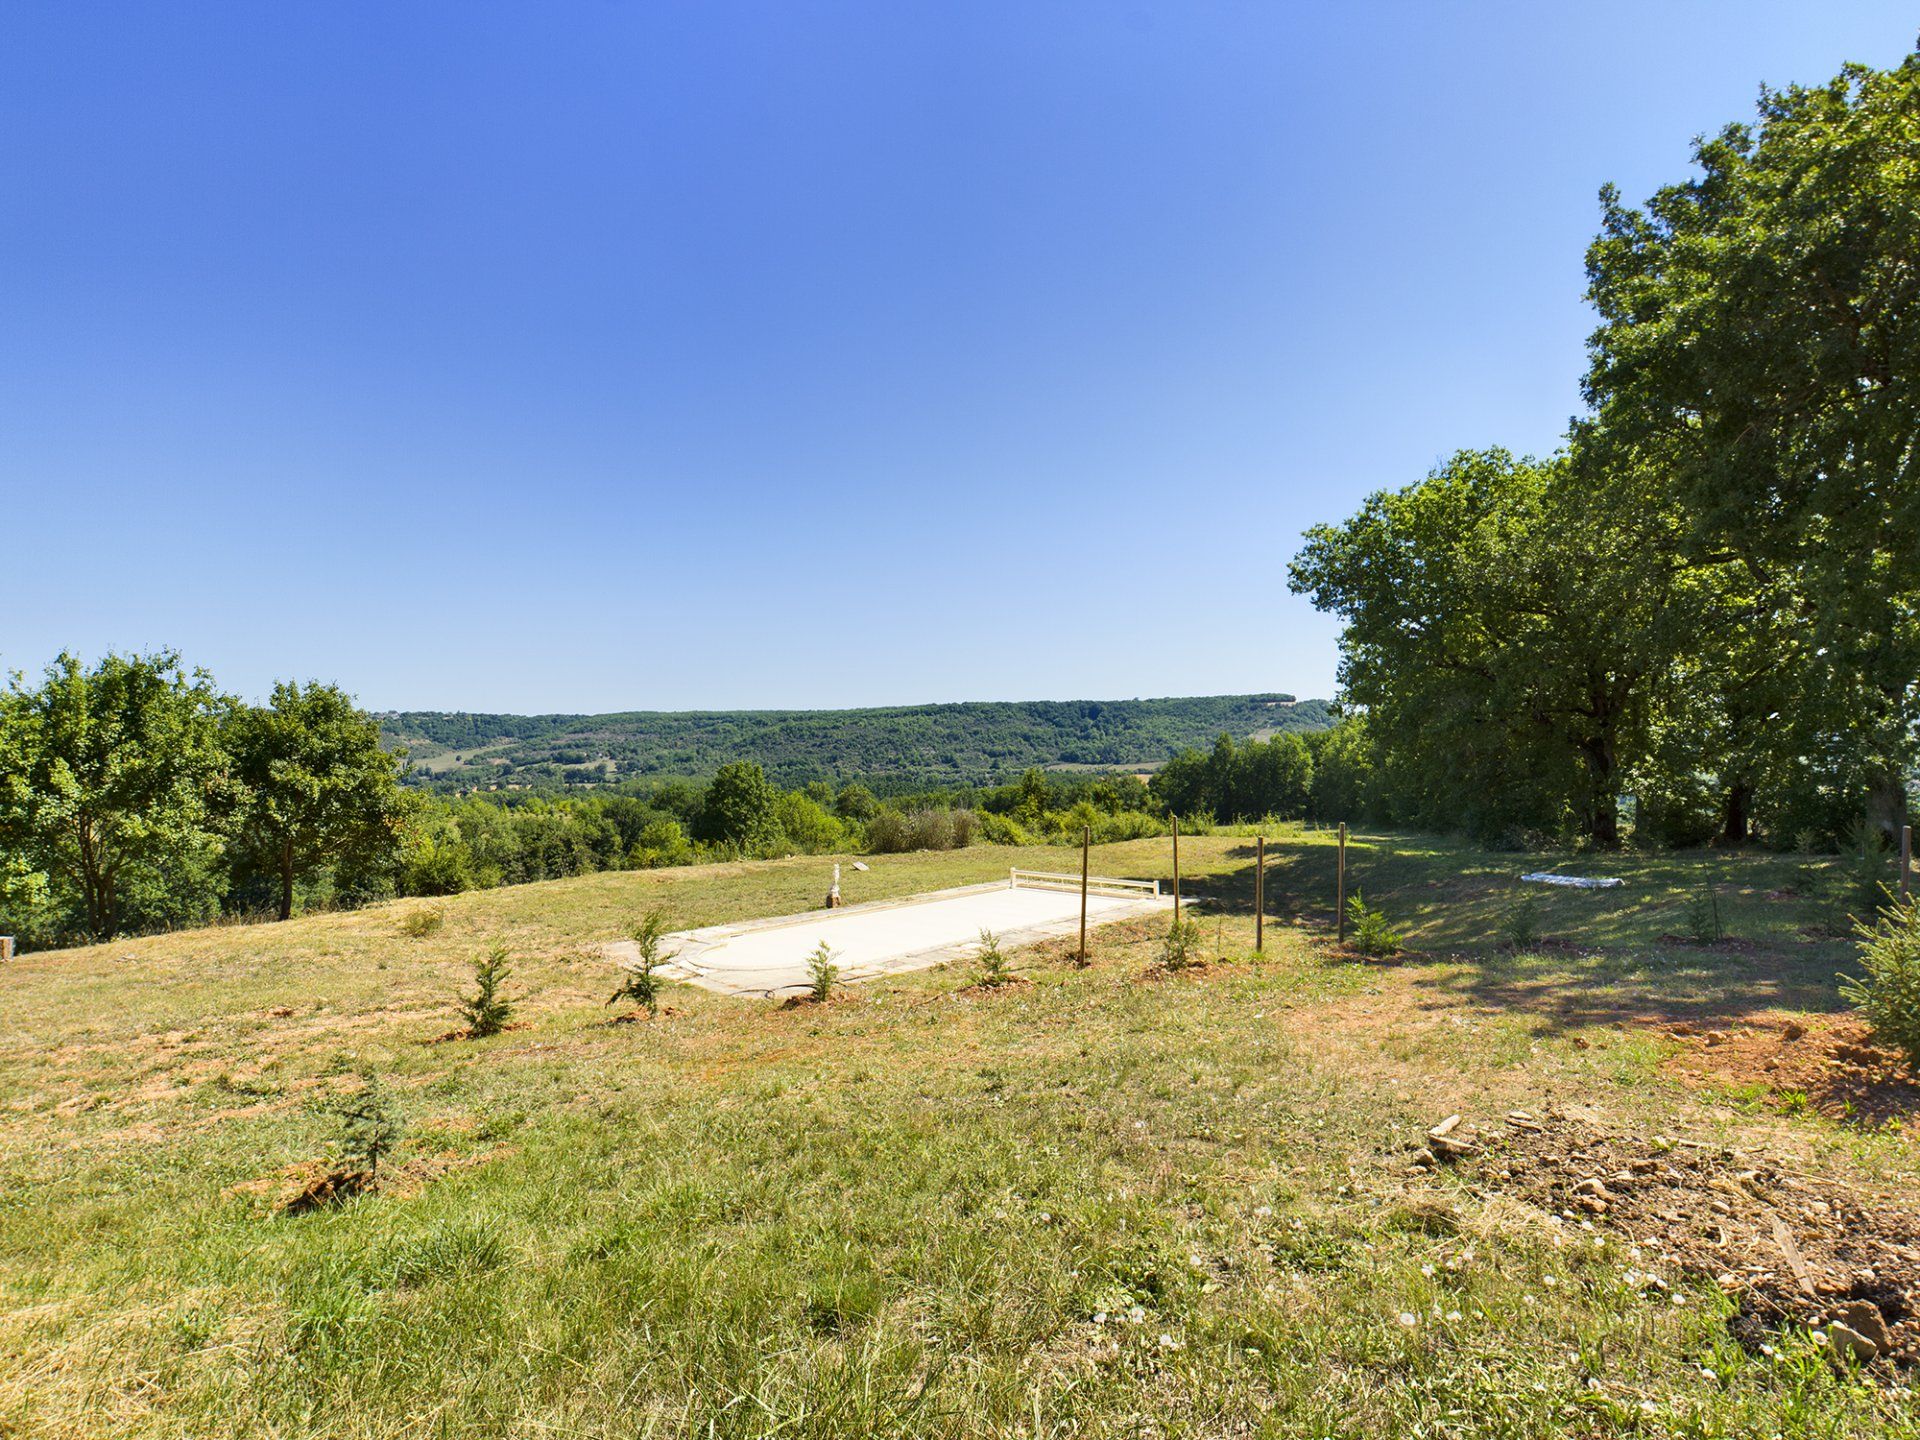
x=1101 y=1202
x=923 y=745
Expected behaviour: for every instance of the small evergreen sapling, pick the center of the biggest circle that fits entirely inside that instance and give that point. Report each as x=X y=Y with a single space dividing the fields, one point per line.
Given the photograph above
x=822 y=971
x=487 y=1009
x=1888 y=995
x=642 y=984
x=370 y=1126
x=1371 y=935
x=993 y=961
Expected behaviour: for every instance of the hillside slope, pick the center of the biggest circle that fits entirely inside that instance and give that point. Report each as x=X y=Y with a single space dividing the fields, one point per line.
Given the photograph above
x=1094 y=1202
x=912 y=744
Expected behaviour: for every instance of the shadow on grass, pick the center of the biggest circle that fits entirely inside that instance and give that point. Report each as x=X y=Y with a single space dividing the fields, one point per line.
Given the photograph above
x=1605 y=956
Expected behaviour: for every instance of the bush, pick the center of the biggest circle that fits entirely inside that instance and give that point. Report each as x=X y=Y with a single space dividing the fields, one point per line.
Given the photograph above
x=889 y=831
x=642 y=985
x=1003 y=830
x=1520 y=924
x=993 y=961
x=487 y=1009
x=418 y=924
x=821 y=971
x=1888 y=994
x=370 y=1126
x=1367 y=928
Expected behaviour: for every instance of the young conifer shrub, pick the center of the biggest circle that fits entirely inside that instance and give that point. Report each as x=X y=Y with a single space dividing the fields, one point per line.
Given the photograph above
x=994 y=970
x=1520 y=925
x=1888 y=993
x=1703 y=917
x=822 y=971
x=1368 y=930
x=418 y=924
x=370 y=1126
x=642 y=983
x=1179 y=949
x=487 y=1009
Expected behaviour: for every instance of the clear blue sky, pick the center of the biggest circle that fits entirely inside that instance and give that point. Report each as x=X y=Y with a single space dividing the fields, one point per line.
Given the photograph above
x=601 y=356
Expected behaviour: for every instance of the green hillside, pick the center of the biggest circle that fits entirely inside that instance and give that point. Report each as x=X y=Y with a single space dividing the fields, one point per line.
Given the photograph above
x=913 y=744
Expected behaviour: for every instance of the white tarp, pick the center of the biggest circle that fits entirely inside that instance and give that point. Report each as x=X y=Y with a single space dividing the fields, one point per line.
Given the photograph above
x=1572 y=882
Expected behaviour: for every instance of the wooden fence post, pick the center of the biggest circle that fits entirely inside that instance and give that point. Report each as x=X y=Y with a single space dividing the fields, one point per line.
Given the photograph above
x=1259 y=894
x=1906 y=863
x=1086 y=845
x=1176 y=869
x=6 y=947
x=1340 y=888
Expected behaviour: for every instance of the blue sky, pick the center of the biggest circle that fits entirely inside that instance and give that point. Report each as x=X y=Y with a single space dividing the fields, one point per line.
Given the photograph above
x=605 y=356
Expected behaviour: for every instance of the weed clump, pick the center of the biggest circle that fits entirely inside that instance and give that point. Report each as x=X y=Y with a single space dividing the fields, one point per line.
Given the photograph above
x=1888 y=994
x=487 y=1009
x=821 y=971
x=1368 y=930
x=419 y=924
x=642 y=983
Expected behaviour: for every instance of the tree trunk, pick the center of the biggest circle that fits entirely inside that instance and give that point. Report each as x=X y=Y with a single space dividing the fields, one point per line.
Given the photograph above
x=1603 y=801
x=286 y=879
x=1887 y=802
x=1737 y=827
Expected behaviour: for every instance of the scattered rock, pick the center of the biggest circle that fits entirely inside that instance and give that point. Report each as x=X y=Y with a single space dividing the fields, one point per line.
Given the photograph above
x=1845 y=1343
x=1864 y=1319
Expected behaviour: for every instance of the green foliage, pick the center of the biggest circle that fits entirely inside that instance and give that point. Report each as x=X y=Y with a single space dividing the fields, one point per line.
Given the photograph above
x=739 y=808
x=1888 y=993
x=310 y=785
x=642 y=983
x=1367 y=929
x=1520 y=922
x=927 y=828
x=806 y=826
x=994 y=970
x=911 y=746
x=104 y=778
x=425 y=920
x=822 y=971
x=370 y=1126
x=487 y=1010
x=1232 y=782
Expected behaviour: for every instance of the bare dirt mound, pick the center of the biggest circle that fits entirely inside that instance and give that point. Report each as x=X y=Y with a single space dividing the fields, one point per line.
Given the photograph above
x=1831 y=1066
x=1793 y=1249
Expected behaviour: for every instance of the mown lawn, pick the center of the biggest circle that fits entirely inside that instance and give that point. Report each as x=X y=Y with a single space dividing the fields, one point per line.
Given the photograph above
x=1101 y=1202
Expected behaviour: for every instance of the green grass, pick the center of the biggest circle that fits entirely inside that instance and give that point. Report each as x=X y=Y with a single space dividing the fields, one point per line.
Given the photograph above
x=918 y=1210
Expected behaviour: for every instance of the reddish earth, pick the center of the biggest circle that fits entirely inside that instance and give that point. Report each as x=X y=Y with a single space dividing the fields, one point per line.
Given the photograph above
x=1829 y=1065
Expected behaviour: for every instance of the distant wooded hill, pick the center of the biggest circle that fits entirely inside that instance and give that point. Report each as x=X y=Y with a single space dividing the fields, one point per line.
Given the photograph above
x=918 y=745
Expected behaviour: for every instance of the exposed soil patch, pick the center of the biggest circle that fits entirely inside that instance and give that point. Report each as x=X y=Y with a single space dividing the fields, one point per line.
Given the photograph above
x=1828 y=1065
x=642 y=1017
x=466 y=1033
x=315 y=1184
x=1793 y=1249
x=994 y=987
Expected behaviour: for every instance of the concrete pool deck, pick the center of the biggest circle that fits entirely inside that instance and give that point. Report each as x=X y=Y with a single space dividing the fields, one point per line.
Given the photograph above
x=882 y=937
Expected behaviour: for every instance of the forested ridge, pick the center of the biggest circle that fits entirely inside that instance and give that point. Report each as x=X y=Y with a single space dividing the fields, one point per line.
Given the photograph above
x=896 y=746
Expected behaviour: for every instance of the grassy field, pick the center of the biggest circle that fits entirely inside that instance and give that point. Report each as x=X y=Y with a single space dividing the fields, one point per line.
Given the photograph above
x=1103 y=1201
